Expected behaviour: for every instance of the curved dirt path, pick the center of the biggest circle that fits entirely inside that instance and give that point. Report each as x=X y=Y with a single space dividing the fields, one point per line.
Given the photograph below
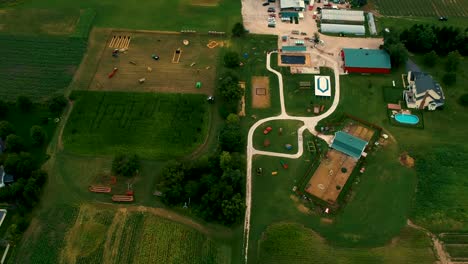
x=309 y=123
x=438 y=247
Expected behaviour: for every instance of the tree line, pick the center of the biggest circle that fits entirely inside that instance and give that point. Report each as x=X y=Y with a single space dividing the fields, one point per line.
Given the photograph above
x=212 y=186
x=17 y=160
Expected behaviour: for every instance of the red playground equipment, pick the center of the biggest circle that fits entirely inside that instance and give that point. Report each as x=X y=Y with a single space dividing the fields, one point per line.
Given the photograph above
x=285 y=165
x=113 y=72
x=99 y=189
x=267 y=130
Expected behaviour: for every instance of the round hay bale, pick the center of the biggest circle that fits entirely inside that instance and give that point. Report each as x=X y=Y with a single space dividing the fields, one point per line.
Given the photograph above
x=185 y=42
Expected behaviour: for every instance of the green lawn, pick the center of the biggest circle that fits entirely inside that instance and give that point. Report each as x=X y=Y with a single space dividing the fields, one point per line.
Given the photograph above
x=292 y=243
x=157 y=15
x=277 y=141
x=444 y=132
x=301 y=102
x=154 y=126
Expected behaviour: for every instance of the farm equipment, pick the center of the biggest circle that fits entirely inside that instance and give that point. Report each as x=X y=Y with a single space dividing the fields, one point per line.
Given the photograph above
x=113 y=72
x=284 y=164
x=155 y=57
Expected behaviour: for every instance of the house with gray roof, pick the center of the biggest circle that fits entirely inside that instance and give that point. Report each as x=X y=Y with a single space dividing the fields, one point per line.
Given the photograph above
x=423 y=92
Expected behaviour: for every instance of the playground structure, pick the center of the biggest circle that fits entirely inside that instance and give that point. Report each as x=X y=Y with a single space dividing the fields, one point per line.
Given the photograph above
x=113 y=72
x=311 y=147
x=99 y=189
x=176 y=56
x=122 y=198
x=212 y=44
x=284 y=164
x=331 y=176
x=120 y=42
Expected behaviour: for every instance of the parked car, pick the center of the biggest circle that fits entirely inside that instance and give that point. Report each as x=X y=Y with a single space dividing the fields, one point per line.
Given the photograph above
x=442 y=18
x=272 y=1
x=271 y=9
x=265 y=4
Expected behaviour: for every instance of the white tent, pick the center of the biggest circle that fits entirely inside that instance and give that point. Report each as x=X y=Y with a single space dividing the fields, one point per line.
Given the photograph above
x=322 y=85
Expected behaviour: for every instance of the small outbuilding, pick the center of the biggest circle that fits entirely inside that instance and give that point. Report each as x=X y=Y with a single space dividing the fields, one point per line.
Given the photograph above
x=366 y=61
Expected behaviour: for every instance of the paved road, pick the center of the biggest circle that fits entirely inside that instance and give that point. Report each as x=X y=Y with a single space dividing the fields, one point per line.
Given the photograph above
x=309 y=123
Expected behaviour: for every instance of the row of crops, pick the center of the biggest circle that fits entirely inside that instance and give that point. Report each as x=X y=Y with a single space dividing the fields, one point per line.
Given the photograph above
x=456 y=246
x=423 y=8
x=37 y=66
x=151 y=125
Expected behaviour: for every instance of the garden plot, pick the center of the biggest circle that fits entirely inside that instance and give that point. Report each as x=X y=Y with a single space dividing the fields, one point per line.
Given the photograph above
x=154 y=126
x=145 y=63
x=423 y=8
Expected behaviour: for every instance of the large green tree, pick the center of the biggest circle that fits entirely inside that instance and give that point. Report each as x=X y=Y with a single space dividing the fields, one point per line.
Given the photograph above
x=231 y=59
x=38 y=135
x=57 y=104
x=19 y=165
x=453 y=61
x=6 y=128
x=14 y=143
x=126 y=165
x=238 y=30
x=228 y=86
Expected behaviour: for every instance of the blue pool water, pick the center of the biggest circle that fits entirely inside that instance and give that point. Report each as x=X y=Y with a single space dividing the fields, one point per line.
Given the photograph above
x=407 y=119
x=286 y=59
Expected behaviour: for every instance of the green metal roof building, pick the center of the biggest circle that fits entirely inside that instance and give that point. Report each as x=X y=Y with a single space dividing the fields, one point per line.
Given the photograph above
x=349 y=144
x=366 y=60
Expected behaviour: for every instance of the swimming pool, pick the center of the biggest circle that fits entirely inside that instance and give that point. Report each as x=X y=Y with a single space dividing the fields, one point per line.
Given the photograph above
x=407 y=119
x=288 y=59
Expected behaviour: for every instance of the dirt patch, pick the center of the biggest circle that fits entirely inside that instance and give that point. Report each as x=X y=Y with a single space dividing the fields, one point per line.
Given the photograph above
x=301 y=207
x=204 y=2
x=331 y=176
x=242 y=102
x=359 y=131
x=260 y=92
x=114 y=235
x=324 y=220
x=406 y=160
x=150 y=58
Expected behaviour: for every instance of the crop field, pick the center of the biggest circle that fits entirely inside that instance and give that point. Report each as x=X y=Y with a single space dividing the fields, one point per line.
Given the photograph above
x=176 y=73
x=101 y=234
x=292 y=243
x=37 y=67
x=154 y=126
x=423 y=8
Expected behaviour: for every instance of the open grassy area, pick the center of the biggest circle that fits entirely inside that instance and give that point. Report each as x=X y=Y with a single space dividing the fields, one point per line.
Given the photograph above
x=443 y=133
x=155 y=126
x=159 y=15
x=103 y=234
x=301 y=102
x=277 y=140
x=292 y=243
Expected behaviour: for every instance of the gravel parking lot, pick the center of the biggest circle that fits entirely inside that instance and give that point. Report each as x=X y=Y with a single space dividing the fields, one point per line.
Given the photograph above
x=255 y=17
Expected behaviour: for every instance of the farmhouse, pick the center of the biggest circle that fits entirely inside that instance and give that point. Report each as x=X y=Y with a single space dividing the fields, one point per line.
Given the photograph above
x=5 y=178
x=333 y=16
x=349 y=144
x=341 y=28
x=292 y=5
x=366 y=61
x=423 y=92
